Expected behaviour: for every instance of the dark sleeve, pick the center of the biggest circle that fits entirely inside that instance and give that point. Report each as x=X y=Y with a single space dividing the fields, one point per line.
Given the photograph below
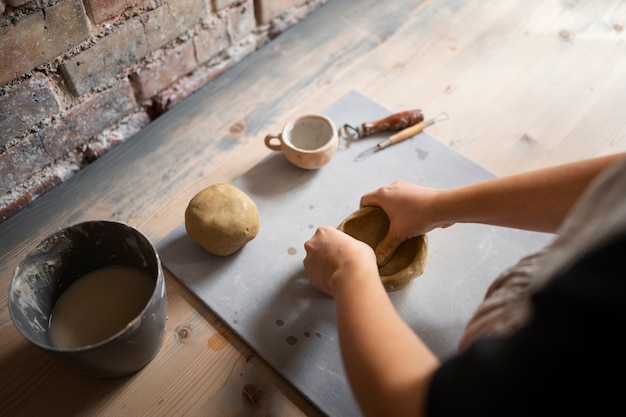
x=569 y=359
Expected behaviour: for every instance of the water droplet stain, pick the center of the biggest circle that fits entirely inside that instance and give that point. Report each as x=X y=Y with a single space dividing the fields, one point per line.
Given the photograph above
x=307 y=334
x=217 y=342
x=280 y=322
x=291 y=340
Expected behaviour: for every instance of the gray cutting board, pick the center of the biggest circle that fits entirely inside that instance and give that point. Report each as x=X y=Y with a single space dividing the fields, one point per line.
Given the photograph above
x=262 y=291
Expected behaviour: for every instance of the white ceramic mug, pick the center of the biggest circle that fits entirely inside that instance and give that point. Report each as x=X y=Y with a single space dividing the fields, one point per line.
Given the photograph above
x=308 y=142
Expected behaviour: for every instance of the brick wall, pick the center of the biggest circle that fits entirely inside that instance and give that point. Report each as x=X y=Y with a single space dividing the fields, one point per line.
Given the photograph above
x=79 y=76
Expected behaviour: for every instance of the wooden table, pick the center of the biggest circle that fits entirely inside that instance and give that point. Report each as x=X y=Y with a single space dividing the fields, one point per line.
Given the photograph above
x=526 y=84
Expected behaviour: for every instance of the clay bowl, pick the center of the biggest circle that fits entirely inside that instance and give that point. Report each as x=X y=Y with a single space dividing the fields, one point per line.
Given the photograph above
x=370 y=225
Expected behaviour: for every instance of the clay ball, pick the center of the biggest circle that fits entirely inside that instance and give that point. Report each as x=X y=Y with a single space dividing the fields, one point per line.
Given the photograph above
x=222 y=219
x=370 y=225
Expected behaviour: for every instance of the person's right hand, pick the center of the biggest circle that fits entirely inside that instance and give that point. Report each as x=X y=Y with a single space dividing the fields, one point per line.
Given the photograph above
x=412 y=211
x=333 y=258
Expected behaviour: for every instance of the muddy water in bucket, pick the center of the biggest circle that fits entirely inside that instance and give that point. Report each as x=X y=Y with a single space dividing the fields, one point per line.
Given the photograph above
x=99 y=305
x=93 y=296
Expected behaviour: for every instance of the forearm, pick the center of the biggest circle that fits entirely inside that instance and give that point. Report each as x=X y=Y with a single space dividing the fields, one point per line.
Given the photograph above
x=536 y=200
x=388 y=366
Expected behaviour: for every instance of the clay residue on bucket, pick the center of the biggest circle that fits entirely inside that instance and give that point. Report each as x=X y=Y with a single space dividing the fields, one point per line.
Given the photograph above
x=27 y=300
x=134 y=246
x=35 y=270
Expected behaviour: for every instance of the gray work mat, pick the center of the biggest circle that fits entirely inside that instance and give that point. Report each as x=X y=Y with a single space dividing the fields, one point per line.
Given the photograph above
x=262 y=291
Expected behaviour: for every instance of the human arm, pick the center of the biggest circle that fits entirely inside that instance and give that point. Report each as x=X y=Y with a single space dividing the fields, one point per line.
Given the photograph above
x=537 y=200
x=388 y=366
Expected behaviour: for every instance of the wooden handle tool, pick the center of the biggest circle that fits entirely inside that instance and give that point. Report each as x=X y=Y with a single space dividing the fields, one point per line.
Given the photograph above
x=396 y=121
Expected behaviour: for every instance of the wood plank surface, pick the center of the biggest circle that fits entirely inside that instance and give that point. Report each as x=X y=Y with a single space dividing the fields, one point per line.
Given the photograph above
x=526 y=84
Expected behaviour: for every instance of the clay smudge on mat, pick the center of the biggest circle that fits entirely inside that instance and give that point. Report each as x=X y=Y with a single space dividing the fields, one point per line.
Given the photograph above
x=421 y=154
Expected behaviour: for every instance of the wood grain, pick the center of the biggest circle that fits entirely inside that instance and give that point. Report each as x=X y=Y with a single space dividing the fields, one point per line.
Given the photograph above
x=526 y=84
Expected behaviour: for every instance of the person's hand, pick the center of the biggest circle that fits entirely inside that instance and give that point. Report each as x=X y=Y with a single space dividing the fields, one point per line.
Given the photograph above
x=412 y=211
x=334 y=257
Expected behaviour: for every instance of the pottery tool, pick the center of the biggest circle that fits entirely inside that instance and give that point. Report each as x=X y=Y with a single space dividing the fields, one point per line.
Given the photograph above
x=402 y=135
x=394 y=122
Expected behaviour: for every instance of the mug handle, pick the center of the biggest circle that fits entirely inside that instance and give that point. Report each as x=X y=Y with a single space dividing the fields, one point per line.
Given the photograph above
x=273 y=146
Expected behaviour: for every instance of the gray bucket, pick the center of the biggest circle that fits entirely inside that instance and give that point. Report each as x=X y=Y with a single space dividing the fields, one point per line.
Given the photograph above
x=63 y=258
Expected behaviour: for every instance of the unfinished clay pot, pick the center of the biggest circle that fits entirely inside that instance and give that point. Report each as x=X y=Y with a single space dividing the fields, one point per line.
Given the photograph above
x=370 y=225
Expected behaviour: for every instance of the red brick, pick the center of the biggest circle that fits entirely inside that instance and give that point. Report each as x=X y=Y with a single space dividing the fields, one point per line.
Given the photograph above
x=240 y=20
x=88 y=119
x=103 y=61
x=101 y=10
x=41 y=37
x=211 y=41
x=38 y=185
x=21 y=161
x=172 y=20
x=175 y=63
x=266 y=10
x=175 y=93
x=25 y=105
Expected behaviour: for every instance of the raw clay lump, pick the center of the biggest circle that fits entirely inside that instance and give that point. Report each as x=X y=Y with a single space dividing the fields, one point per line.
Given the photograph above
x=222 y=219
x=370 y=225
